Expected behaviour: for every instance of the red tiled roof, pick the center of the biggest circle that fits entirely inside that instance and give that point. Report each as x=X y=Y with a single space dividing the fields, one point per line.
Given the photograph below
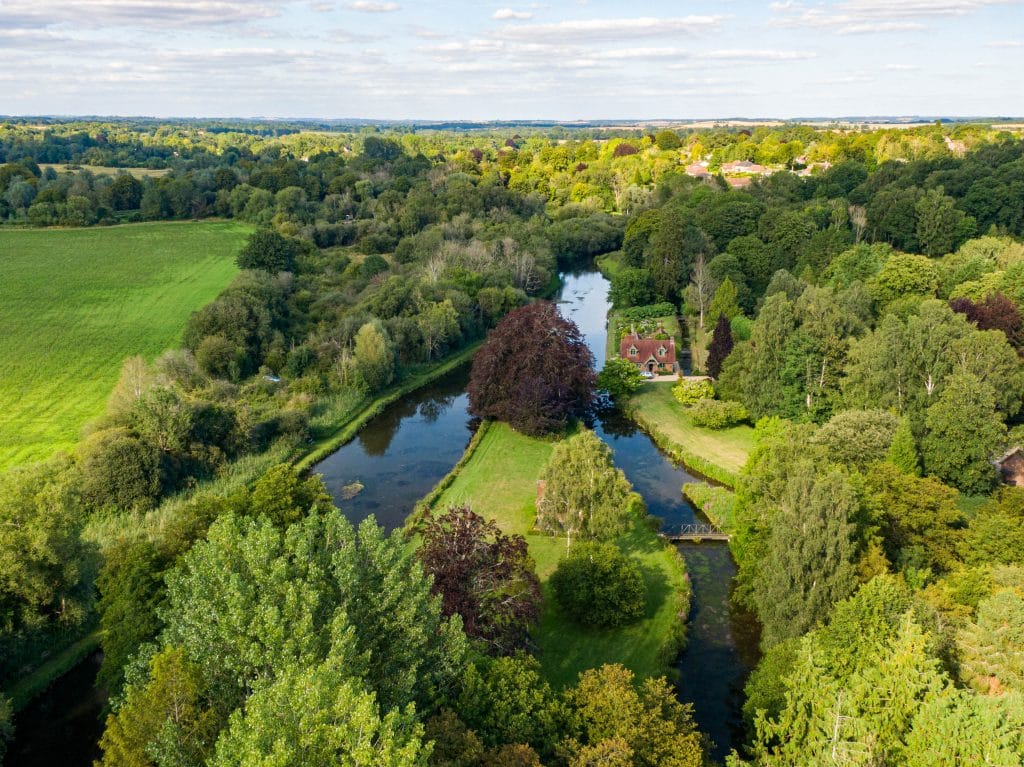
x=647 y=348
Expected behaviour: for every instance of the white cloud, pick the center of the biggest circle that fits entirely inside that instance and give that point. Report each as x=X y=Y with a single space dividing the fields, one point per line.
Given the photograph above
x=579 y=30
x=371 y=6
x=1005 y=44
x=759 y=55
x=503 y=14
x=869 y=16
x=135 y=13
x=901 y=67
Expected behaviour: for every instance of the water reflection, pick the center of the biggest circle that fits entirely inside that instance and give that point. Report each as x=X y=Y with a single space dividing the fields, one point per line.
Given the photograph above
x=402 y=453
x=721 y=648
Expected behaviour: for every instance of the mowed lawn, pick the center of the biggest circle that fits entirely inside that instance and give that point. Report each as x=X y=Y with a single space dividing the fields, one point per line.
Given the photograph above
x=500 y=482
x=727 y=448
x=74 y=303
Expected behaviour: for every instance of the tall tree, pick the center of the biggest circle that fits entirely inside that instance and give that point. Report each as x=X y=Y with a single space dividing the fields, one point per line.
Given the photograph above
x=535 y=371
x=810 y=553
x=964 y=431
x=584 y=495
x=320 y=717
x=720 y=347
x=482 y=575
x=701 y=289
x=375 y=359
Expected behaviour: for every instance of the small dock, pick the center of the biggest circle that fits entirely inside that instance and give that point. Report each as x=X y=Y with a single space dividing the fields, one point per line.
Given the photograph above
x=696 y=533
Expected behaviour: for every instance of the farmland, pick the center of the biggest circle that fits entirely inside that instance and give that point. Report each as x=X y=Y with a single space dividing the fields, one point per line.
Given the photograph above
x=75 y=302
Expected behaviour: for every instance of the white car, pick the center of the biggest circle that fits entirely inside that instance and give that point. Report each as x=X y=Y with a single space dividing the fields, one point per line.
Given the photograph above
x=647 y=374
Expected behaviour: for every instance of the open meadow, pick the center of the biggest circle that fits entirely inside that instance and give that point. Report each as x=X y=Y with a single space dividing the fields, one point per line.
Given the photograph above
x=75 y=302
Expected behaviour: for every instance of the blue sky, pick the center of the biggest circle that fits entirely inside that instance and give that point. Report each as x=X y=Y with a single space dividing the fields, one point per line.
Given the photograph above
x=460 y=59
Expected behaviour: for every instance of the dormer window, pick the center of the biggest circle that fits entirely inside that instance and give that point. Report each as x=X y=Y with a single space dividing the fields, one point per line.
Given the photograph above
x=661 y=351
x=633 y=351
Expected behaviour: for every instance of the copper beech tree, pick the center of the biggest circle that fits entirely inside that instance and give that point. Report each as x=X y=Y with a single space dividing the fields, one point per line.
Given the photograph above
x=482 y=575
x=534 y=371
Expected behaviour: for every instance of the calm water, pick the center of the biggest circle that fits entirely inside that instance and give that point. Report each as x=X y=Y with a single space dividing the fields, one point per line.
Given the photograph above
x=721 y=644
x=402 y=453
x=63 y=725
x=398 y=457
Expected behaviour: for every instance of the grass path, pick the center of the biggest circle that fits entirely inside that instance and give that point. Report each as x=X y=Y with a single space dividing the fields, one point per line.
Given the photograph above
x=719 y=454
x=75 y=302
x=500 y=482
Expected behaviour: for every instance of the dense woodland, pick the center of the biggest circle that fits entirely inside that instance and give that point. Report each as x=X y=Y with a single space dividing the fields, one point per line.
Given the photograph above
x=867 y=318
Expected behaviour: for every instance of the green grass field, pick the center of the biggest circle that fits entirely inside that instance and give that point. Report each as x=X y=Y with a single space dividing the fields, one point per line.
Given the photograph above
x=659 y=411
x=74 y=303
x=500 y=482
x=102 y=170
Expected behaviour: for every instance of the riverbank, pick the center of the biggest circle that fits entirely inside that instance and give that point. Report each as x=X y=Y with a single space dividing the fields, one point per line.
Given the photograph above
x=498 y=479
x=718 y=454
x=348 y=425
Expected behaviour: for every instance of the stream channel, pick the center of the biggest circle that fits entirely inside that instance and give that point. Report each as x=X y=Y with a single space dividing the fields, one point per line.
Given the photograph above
x=398 y=457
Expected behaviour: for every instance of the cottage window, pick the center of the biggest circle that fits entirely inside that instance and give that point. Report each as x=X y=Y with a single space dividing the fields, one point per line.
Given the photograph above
x=661 y=351
x=632 y=351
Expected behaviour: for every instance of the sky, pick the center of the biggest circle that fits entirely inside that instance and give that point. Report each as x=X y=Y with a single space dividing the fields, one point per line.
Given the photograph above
x=481 y=60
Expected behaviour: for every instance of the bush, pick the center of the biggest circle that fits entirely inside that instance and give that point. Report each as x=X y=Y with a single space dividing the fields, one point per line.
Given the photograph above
x=649 y=312
x=690 y=392
x=598 y=585
x=119 y=469
x=717 y=414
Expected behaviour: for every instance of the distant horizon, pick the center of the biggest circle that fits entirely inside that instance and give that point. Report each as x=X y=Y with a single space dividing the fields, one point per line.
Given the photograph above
x=908 y=119
x=575 y=60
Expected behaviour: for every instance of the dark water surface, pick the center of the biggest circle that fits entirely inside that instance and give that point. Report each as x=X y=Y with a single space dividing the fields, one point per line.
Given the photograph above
x=402 y=453
x=398 y=457
x=63 y=725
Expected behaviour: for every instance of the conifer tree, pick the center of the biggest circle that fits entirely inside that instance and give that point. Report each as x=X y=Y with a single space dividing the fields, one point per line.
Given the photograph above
x=720 y=347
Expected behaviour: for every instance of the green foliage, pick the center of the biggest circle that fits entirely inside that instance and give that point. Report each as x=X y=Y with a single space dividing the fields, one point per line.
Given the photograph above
x=319 y=716
x=283 y=496
x=997 y=530
x=941 y=226
x=858 y=438
x=44 y=563
x=6 y=728
x=584 y=495
x=506 y=700
x=717 y=414
x=918 y=518
x=619 y=378
x=723 y=303
x=808 y=564
x=120 y=470
x=991 y=645
x=957 y=728
x=649 y=312
x=598 y=585
x=904 y=275
x=765 y=689
x=631 y=287
x=268 y=250
x=647 y=727
x=691 y=391
x=375 y=359
x=902 y=452
x=963 y=433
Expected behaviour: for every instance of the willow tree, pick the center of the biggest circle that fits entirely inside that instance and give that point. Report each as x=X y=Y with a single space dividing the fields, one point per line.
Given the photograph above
x=584 y=495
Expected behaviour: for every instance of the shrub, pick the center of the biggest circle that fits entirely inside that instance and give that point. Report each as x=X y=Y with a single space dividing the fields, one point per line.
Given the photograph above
x=690 y=392
x=717 y=414
x=119 y=469
x=598 y=585
x=650 y=312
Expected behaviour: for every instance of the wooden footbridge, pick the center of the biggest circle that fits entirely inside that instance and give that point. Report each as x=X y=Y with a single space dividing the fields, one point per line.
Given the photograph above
x=695 y=533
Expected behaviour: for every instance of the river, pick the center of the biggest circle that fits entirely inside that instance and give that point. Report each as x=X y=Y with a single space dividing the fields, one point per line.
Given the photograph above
x=397 y=458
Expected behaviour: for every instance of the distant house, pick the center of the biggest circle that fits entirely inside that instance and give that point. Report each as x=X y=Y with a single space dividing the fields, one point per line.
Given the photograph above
x=745 y=167
x=652 y=355
x=698 y=170
x=1011 y=466
x=739 y=182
